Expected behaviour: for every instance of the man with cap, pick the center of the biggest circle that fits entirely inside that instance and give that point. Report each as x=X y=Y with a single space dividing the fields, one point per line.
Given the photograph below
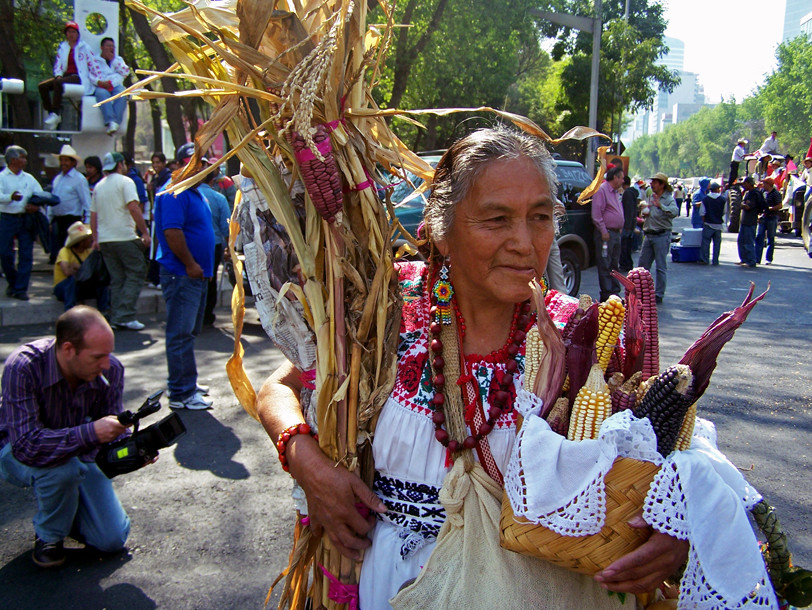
x=712 y=212
x=74 y=198
x=74 y=61
x=108 y=74
x=739 y=152
x=115 y=213
x=183 y=228
x=768 y=223
x=18 y=221
x=752 y=205
x=78 y=246
x=662 y=209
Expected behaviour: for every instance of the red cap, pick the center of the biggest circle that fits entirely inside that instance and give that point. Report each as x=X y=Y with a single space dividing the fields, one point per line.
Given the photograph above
x=72 y=24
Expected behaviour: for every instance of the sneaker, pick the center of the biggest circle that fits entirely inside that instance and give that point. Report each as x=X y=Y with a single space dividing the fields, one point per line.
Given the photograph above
x=20 y=296
x=112 y=128
x=131 y=325
x=768 y=263
x=203 y=390
x=52 y=120
x=48 y=554
x=658 y=299
x=195 y=402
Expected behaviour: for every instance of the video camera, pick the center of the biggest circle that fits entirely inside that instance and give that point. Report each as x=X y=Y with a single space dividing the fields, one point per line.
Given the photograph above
x=141 y=447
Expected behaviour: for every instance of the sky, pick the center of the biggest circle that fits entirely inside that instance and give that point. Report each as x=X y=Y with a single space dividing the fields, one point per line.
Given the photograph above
x=729 y=43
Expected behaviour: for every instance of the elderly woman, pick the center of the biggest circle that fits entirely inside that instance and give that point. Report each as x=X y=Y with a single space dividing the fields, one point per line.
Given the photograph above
x=490 y=221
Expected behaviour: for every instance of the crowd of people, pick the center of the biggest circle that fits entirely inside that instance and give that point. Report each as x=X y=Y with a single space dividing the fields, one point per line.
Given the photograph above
x=110 y=231
x=623 y=211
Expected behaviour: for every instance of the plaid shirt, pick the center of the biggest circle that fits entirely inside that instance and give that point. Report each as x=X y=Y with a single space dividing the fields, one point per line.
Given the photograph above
x=45 y=420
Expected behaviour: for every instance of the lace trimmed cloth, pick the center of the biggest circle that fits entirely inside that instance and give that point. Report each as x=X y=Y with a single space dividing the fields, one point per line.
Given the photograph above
x=697 y=495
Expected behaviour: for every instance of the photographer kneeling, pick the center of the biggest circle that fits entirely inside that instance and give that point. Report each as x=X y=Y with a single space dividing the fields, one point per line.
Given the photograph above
x=60 y=398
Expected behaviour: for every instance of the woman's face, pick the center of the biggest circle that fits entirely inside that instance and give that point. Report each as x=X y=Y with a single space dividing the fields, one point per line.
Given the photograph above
x=501 y=235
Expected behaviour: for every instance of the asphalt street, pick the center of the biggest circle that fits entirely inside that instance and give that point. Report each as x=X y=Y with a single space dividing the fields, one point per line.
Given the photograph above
x=212 y=519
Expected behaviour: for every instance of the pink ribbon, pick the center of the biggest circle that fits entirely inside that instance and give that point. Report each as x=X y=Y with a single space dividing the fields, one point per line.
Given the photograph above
x=308 y=379
x=339 y=592
x=305 y=155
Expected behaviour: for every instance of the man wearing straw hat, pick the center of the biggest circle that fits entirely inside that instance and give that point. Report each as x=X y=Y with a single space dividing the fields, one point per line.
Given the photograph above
x=78 y=246
x=662 y=209
x=74 y=198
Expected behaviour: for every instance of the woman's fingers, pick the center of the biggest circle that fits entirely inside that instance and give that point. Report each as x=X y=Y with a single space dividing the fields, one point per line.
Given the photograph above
x=646 y=567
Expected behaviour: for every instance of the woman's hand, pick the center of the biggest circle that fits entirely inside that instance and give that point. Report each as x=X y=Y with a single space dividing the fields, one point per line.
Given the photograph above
x=332 y=494
x=645 y=568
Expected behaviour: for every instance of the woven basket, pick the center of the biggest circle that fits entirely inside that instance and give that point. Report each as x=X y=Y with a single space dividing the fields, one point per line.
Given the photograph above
x=627 y=484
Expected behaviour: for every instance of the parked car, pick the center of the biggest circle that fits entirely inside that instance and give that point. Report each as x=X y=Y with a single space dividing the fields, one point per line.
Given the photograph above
x=575 y=228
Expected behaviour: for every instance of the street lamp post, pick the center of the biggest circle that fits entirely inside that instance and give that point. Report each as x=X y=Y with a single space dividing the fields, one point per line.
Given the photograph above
x=585 y=24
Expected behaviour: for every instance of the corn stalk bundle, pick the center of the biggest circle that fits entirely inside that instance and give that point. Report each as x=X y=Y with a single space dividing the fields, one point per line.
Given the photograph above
x=290 y=83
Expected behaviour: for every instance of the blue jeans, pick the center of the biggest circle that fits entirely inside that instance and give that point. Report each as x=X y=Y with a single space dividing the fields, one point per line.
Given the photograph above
x=68 y=292
x=23 y=227
x=766 y=228
x=655 y=249
x=746 y=242
x=114 y=111
x=185 y=303
x=708 y=235
x=608 y=284
x=74 y=498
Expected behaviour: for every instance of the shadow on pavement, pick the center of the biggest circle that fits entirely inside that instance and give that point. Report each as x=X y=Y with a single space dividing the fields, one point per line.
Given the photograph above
x=209 y=445
x=25 y=586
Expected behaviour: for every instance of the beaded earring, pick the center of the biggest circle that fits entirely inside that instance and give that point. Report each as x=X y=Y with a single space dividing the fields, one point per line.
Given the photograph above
x=443 y=293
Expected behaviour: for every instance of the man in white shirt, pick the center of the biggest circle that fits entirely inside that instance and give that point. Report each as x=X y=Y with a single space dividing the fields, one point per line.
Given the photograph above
x=770 y=145
x=108 y=76
x=74 y=198
x=17 y=220
x=738 y=156
x=115 y=212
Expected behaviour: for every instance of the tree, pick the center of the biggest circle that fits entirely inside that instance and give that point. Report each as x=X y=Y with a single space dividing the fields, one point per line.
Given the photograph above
x=23 y=26
x=785 y=97
x=477 y=54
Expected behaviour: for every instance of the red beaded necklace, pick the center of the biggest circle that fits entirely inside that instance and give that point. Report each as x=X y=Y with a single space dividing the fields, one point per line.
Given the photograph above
x=522 y=318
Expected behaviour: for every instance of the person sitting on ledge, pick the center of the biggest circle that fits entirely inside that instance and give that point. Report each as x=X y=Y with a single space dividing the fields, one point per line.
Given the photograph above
x=78 y=246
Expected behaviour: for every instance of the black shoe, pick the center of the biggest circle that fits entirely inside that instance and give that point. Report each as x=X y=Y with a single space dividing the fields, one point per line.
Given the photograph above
x=48 y=554
x=20 y=296
x=658 y=299
x=9 y=292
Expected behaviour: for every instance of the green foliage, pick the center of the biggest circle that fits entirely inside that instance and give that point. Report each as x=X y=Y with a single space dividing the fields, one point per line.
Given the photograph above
x=474 y=59
x=702 y=145
x=786 y=99
x=38 y=29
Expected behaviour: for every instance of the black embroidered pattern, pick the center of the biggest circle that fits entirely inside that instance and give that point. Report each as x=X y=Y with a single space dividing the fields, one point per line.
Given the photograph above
x=415 y=507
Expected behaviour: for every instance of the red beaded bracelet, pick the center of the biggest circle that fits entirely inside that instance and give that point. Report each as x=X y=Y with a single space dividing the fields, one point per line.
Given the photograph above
x=284 y=439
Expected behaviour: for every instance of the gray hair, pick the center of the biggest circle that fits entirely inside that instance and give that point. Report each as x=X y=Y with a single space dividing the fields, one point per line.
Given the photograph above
x=465 y=160
x=15 y=152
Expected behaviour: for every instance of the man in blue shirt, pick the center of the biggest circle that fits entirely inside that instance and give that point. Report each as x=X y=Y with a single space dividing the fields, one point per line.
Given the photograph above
x=218 y=204
x=183 y=226
x=74 y=199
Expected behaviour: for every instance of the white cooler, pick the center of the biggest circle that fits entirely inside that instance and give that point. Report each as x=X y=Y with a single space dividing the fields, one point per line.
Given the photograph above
x=691 y=238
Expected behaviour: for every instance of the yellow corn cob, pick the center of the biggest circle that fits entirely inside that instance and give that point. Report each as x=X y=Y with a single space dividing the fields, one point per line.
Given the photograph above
x=592 y=405
x=644 y=386
x=566 y=387
x=687 y=430
x=610 y=321
x=532 y=357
